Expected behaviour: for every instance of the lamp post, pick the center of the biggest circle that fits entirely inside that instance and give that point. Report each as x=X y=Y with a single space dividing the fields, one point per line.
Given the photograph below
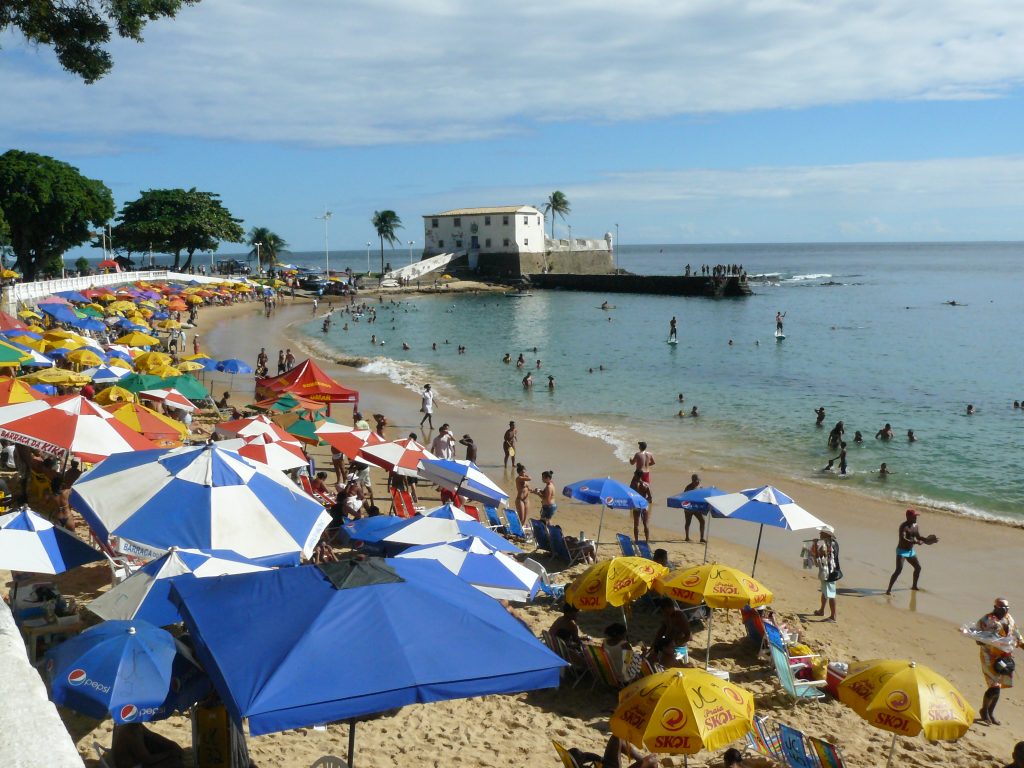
x=259 y=262
x=616 y=252
x=411 y=243
x=570 y=238
x=327 y=252
x=367 y=258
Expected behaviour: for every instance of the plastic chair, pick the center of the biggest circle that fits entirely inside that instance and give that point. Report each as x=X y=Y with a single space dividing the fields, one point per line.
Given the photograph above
x=561 y=549
x=644 y=549
x=554 y=591
x=625 y=544
x=515 y=525
x=493 y=520
x=569 y=760
x=541 y=535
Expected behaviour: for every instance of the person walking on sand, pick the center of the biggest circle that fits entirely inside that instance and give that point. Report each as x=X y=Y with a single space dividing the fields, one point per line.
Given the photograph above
x=638 y=485
x=826 y=556
x=909 y=536
x=642 y=461
x=692 y=513
x=427 y=406
x=470 y=448
x=508 y=443
x=997 y=660
x=444 y=444
x=289 y=360
x=522 y=493
x=280 y=362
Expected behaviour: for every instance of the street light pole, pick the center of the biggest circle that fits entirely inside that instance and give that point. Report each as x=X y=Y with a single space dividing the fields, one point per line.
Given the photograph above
x=259 y=261
x=367 y=258
x=411 y=243
x=570 y=238
x=616 y=246
x=327 y=252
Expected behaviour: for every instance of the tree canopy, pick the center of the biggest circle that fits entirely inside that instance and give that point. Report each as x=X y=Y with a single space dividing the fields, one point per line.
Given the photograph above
x=175 y=220
x=271 y=244
x=77 y=31
x=50 y=207
x=557 y=205
x=386 y=222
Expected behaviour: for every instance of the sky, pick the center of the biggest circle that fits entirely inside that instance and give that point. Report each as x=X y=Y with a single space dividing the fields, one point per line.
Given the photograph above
x=680 y=121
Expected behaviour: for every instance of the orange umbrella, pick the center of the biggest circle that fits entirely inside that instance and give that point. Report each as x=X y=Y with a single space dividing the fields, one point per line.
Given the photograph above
x=14 y=391
x=162 y=430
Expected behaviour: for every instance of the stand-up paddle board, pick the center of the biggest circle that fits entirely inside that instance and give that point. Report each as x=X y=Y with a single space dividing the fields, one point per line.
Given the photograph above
x=779 y=336
x=673 y=342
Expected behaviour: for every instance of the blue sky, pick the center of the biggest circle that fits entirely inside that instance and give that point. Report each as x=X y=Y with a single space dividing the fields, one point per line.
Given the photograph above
x=690 y=121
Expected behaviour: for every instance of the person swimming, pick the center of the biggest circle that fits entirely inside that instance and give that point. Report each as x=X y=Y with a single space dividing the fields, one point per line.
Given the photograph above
x=910 y=436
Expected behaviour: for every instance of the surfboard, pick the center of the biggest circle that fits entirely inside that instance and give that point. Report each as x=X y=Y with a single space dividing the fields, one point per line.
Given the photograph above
x=779 y=336
x=673 y=341
x=609 y=307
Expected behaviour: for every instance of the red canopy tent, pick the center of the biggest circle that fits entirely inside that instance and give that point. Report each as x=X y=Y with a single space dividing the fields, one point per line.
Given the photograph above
x=307 y=379
x=8 y=323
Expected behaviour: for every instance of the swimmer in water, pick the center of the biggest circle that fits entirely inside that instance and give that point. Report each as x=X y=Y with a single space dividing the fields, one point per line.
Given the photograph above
x=521 y=361
x=820 y=413
x=858 y=437
x=434 y=346
x=604 y=305
x=682 y=398
x=551 y=383
x=693 y=412
x=507 y=358
x=828 y=467
x=405 y=346
x=883 y=470
x=538 y=365
x=885 y=433
x=970 y=410
x=910 y=436
x=528 y=381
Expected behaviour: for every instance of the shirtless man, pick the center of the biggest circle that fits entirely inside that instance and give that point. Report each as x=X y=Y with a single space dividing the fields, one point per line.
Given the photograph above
x=638 y=485
x=778 y=321
x=522 y=493
x=643 y=461
x=909 y=537
x=674 y=624
x=508 y=442
x=885 y=433
x=547 y=497
x=672 y=329
x=692 y=513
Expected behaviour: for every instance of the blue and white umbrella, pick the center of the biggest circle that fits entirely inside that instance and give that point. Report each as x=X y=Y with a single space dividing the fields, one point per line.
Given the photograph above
x=606 y=492
x=32 y=544
x=106 y=374
x=200 y=498
x=464 y=478
x=765 y=506
x=697 y=501
x=146 y=593
x=444 y=524
x=130 y=670
x=234 y=366
x=475 y=561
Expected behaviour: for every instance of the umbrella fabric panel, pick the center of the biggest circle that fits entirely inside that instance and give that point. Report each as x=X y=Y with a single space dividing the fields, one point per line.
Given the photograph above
x=766 y=506
x=32 y=544
x=280 y=688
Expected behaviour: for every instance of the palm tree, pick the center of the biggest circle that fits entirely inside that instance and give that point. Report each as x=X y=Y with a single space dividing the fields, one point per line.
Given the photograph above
x=271 y=244
x=557 y=205
x=386 y=222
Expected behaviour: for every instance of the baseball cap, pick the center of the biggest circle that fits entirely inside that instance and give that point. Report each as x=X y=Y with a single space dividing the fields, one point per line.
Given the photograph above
x=913 y=513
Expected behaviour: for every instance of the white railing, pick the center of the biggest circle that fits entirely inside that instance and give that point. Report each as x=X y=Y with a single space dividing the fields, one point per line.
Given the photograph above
x=420 y=268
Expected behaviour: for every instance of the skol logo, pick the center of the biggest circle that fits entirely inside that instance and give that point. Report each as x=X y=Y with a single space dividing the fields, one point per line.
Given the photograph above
x=726 y=589
x=622 y=584
x=863 y=689
x=941 y=714
x=733 y=694
x=586 y=602
x=78 y=678
x=893 y=722
x=633 y=716
x=671 y=742
x=716 y=718
x=673 y=719
x=897 y=701
x=692 y=580
x=751 y=585
x=683 y=594
x=957 y=700
x=593 y=587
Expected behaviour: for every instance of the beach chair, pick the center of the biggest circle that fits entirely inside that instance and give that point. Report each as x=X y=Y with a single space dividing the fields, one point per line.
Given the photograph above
x=763 y=738
x=494 y=522
x=625 y=544
x=554 y=591
x=121 y=566
x=515 y=525
x=402 y=504
x=472 y=511
x=798 y=690
x=561 y=549
x=793 y=744
x=577 y=668
x=307 y=486
x=600 y=666
x=103 y=755
x=575 y=758
x=644 y=550
x=829 y=755
x=541 y=535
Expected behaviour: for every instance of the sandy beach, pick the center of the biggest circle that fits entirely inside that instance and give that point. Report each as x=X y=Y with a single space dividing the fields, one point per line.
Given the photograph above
x=973 y=563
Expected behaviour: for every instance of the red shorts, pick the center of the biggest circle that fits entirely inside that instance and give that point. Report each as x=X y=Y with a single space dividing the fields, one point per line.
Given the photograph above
x=646 y=477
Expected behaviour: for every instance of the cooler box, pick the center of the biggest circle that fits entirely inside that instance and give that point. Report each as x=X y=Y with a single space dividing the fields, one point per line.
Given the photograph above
x=833 y=677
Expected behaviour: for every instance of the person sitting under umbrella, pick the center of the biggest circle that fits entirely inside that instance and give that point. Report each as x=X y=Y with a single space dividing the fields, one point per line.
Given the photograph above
x=674 y=625
x=134 y=745
x=613 y=753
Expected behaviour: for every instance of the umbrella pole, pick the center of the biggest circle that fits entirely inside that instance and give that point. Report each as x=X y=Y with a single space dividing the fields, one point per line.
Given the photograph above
x=600 y=524
x=707 y=535
x=760 y=532
x=892 y=750
x=351 y=741
x=707 y=654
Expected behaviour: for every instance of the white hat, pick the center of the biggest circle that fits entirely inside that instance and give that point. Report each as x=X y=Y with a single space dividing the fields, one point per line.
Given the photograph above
x=827 y=529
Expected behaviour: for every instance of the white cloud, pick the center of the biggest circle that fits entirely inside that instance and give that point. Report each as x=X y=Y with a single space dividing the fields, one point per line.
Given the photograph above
x=324 y=73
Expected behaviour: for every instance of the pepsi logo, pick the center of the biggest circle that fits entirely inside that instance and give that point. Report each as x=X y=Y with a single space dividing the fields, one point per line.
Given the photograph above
x=609 y=501
x=129 y=712
x=76 y=677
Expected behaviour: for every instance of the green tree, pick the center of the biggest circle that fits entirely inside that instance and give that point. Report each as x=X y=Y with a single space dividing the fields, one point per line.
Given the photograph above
x=557 y=204
x=175 y=220
x=50 y=207
x=271 y=244
x=78 y=30
x=82 y=265
x=386 y=222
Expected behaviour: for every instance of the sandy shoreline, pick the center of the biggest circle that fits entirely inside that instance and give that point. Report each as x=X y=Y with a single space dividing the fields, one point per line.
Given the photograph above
x=974 y=562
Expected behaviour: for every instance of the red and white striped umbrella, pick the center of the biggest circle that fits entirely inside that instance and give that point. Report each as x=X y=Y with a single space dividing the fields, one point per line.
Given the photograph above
x=402 y=457
x=276 y=455
x=347 y=440
x=255 y=427
x=170 y=397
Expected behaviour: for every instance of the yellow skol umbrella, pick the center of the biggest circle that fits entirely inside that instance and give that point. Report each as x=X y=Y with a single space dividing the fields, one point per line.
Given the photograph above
x=194 y=299
x=165 y=372
x=613 y=582
x=682 y=711
x=906 y=698
x=61 y=334
x=188 y=366
x=26 y=341
x=121 y=306
x=85 y=357
x=55 y=376
x=26 y=314
x=36 y=328
x=719 y=586
x=167 y=325
x=119 y=362
x=115 y=394
x=68 y=344
x=150 y=360
x=137 y=339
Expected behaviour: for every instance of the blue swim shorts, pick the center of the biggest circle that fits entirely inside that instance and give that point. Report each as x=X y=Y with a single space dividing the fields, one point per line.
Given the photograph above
x=905 y=552
x=547 y=511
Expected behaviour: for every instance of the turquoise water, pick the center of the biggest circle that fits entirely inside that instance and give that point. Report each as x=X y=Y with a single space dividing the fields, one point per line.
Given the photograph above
x=868 y=337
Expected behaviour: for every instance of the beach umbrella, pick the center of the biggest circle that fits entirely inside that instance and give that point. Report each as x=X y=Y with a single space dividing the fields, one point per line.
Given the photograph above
x=682 y=711
x=85 y=357
x=697 y=501
x=77 y=426
x=109 y=264
x=12 y=356
x=138 y=339
x=200 y=497
x=383 y=609
x=32 y=544
x=274 y=454
x=56 y=376
x=610 y=494
x=478 y=563
x=464 y=478
x=114 y=394
x=105 y=374
x=347 y=440
x=234 y=366
x=906 y=698
x=9 y=274
x=613 y=582
x=62 y=313
x=765 y=506
x=172 y=398
x=255 y=426
x=146 y=594
x=288 y=401
x=187 y=366
x=718 y=586
x=402 y=457
x=148 y=361
x=444 y=524
x=15 y=391
x=164 y=431
x=130 y=670
x=28 y=314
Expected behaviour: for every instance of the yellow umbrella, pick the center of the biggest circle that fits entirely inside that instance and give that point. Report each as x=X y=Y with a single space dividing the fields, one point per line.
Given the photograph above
x=121 y=306
x=906 y=698
x=9 y=274
x=106 y=297
x=27 y=341
x=168 y=324
x=36 y=328
x=138 y=339
x=59 y=333
x=681 y=711
x=68 y=344
x=25 y=314
x=85 y=357
x=196 y=357
x=194 y=299
x=53 y=376
x=118 y=362
x=165 y=372
x=719 y=586
x=115 y=394
x=162 y=430
x=149 y=360
x=188 y=366
x=613 y=582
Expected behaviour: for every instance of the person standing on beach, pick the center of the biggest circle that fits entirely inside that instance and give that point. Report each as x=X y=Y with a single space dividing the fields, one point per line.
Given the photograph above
x=508 y=443
x=642 y=488
x=444 y=444
x=262 y=361
x=642 y=461
x=826 y=557
x=522 y=493
x=547 y=497
x=672 y=329
x=470 y=448
x=997 y=660
x=427 y=406
x=690 y=512
x=909 y=536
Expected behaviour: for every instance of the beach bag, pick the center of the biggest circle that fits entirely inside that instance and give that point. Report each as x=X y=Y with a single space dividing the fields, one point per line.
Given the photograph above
x=1004 y=665
x=836 y=573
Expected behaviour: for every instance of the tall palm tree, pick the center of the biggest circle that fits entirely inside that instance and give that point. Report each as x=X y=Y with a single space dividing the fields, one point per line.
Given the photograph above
x=271 y=244
x=386 y=222
x=557 y=205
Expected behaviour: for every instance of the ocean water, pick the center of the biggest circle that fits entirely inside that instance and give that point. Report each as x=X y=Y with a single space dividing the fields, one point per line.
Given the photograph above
x=869 y=338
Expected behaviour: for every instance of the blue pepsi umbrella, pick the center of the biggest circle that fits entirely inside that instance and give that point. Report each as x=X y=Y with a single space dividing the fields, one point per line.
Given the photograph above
x=697 y=501
x=478 y=563
x=234 y=366
x=606 y=492
x=413 y=632
x=33 y=544
x=130 y=670
x=446 y=523
x=60 y=312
